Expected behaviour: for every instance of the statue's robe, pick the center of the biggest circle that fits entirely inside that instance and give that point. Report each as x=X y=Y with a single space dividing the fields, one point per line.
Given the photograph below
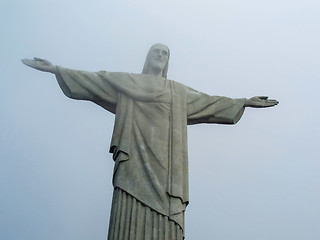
x=149 y=144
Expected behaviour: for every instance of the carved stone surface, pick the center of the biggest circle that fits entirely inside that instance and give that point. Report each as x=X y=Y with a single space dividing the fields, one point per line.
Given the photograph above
x=149 y=141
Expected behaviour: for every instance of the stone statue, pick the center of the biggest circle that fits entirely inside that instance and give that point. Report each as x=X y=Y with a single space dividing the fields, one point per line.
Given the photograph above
x=149 y=141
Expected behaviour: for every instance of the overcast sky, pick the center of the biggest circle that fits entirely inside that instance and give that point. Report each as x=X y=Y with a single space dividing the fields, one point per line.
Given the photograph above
x=256 y=180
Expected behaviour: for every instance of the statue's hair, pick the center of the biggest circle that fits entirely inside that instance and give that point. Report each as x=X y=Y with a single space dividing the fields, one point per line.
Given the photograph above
x=146 y=63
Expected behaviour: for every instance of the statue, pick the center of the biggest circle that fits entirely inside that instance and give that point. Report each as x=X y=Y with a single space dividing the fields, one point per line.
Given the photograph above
x=149 y=141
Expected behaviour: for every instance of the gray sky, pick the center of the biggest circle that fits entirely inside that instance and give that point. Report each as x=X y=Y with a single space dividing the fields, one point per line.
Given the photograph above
x=257 y=180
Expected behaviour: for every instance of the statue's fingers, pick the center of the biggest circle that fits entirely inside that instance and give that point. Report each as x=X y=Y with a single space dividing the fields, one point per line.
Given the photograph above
x=24 y=60
x=263 y=97
x=28 y=62
x=38 y=59
x=268 y=105
x=273 y=101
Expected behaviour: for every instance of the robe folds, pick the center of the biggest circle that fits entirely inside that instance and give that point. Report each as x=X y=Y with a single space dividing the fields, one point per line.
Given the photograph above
x=149 y=141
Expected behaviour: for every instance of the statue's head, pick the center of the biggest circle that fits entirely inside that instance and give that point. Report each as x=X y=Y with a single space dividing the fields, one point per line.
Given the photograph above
x=157 y=60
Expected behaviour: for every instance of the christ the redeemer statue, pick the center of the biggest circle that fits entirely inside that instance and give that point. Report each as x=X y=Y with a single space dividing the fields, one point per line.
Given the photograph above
x=149 y=141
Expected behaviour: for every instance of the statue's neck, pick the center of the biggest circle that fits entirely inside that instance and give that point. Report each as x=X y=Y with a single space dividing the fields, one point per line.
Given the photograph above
x=155 y=72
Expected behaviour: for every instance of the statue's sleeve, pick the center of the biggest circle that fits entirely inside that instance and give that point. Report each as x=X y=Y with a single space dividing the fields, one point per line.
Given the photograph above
x=202 y=108
x=91 y=86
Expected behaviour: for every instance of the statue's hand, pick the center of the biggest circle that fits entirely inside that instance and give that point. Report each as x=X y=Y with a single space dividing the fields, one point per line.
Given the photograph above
x=260 y=102
x=40 y=64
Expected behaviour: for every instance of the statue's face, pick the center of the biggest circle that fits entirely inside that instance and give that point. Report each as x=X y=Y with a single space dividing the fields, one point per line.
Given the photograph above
x=158 y=57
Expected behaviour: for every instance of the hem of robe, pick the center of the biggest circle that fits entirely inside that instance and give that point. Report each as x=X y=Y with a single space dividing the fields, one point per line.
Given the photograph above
x=178 y=217
x=131 y=219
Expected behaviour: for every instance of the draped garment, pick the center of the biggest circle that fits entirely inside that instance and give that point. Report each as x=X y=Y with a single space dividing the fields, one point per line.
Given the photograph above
x=149 y=141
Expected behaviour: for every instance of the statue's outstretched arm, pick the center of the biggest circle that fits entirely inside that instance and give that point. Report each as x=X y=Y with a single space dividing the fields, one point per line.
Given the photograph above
x=260 y=102
x=41 y=65
x=80 y=85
